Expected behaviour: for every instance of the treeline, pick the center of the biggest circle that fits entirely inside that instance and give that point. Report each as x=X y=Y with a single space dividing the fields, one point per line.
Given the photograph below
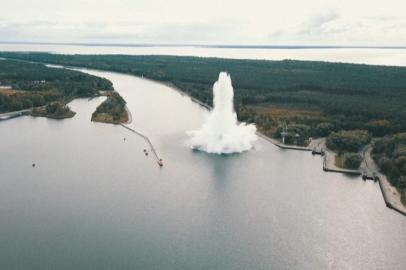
x=347 y=144
x=350 y=96
x=112 y=110
x=57 y=110
x=41 y=84
x=390 y=155
x=20 y=101
x=348 y=140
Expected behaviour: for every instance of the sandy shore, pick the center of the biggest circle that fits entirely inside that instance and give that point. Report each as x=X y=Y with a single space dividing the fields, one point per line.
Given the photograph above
x=129 y=116
x=390 y=193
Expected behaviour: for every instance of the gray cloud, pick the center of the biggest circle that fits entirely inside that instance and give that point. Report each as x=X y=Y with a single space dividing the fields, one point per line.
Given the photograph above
x=330 y=28
x=124 y=31
x=317 y=22
x=210 y=21
x=193 y=32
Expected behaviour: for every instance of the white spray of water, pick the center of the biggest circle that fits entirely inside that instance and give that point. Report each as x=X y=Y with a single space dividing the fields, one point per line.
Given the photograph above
x=222 y=133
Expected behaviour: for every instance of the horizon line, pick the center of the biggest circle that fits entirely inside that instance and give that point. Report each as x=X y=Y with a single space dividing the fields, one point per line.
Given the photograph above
x=224 y=46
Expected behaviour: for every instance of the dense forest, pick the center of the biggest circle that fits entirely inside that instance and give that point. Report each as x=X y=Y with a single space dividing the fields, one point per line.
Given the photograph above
x=348 y=144
x=25 y=85
x=56 y=110
x=348 y=140
x=112 y=110
x=390 y=155
x=326 y=96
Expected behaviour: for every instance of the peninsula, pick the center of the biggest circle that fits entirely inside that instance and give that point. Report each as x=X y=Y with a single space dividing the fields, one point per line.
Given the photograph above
x=25 y=86
x=112 y=110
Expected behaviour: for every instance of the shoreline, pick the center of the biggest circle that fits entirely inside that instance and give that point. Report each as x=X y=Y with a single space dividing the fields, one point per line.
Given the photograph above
x=389 y=193
x=393 y=202
x=106 y=111
x=329 y=164
x=129 y=116
x=71 y=114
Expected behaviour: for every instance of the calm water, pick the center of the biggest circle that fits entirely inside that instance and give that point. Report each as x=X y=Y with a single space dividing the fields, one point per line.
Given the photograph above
x=95 y=201
x=373 y=56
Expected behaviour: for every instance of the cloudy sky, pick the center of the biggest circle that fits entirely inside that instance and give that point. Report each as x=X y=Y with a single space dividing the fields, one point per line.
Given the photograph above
x=287 y=22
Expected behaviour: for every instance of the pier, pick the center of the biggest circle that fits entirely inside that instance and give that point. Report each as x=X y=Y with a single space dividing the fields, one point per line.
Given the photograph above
x=369 y=170
x=388 y=201
x=10 y=115
x=148 y=141
x=327 y=168
x=283 y=146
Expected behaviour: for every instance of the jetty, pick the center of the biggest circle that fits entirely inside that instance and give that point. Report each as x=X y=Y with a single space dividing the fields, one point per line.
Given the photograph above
x=283 y=146
x=10 y=115
x=148 y=141
x=389 y=200
x=328 y=167
x=390 y=194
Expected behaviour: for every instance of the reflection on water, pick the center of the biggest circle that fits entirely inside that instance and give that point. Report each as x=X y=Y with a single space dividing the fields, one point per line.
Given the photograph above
x=95 y=201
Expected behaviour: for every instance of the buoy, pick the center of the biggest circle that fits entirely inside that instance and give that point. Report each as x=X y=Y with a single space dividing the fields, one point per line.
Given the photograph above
x=33 y=165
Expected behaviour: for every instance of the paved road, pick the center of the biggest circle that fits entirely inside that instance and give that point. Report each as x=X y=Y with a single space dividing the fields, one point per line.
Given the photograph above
x=368 y=163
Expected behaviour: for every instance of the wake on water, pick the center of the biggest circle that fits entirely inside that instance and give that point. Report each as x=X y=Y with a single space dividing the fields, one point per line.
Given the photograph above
x=222 y=133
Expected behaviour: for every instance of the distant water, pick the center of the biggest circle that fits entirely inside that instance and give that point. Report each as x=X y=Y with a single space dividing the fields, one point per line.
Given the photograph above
x=95 y=201
x=375 y=56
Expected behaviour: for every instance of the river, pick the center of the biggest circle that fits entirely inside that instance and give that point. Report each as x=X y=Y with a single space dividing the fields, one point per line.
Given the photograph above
x=95 y=201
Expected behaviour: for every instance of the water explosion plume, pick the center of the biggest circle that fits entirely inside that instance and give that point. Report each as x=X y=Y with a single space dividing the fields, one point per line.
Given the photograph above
x=222 y=133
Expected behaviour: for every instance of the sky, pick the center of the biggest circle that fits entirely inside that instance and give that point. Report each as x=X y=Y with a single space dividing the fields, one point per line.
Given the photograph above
x=221 y=22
